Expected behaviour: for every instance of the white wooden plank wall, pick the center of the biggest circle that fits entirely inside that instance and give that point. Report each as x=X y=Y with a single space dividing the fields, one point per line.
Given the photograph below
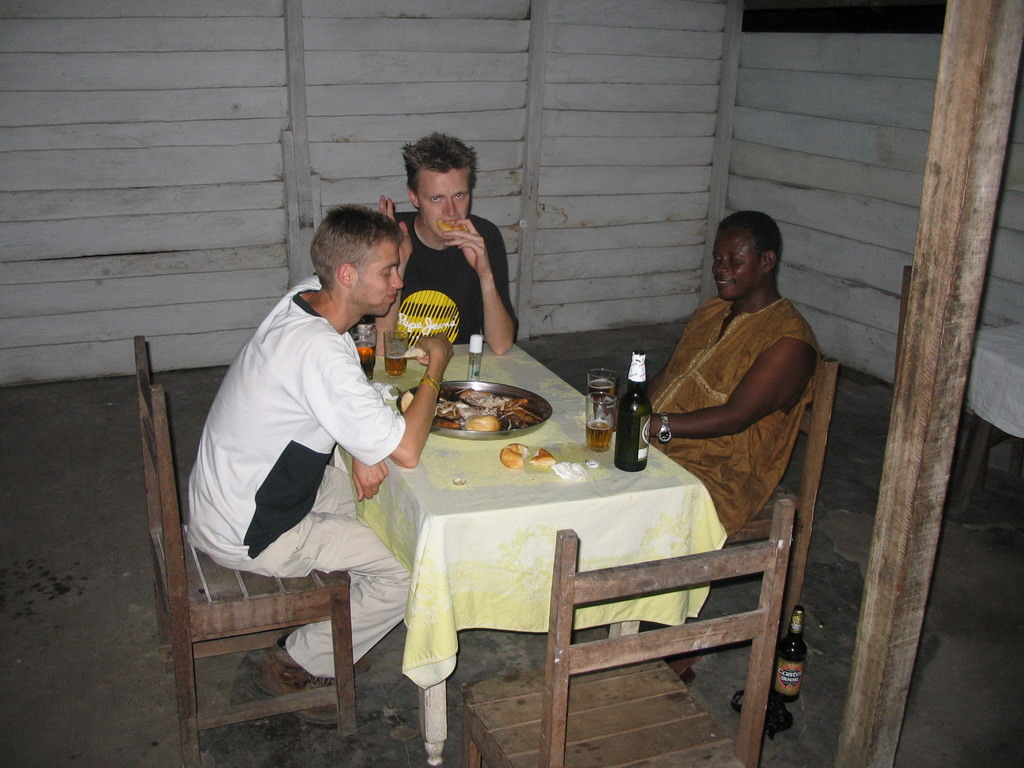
x=830 y=137
x=136 y=131
x=140 y=181
x=381 y=73
x=630 y=92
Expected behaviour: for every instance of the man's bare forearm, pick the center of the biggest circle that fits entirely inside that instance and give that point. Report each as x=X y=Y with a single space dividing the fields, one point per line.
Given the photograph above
x=499 y=328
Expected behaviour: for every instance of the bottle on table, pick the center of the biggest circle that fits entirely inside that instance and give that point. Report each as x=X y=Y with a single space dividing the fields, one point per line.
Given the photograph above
x=365 y=336
x=633 y=430
x=476 y=353
x=790 y=656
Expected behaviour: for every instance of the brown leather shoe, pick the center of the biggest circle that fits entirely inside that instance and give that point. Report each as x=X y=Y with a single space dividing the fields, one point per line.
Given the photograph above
x=278 y=674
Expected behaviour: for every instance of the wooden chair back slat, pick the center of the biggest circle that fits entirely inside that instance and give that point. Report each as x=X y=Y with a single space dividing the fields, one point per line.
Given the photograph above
x=154 y=510
x=693 y=636
x=670 y=574
x=908 y=274
x=167 y=494
x=199 y=589
x=815 y=449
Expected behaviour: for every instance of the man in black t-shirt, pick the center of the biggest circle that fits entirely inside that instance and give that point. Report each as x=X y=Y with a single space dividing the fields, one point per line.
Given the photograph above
x=453 y=264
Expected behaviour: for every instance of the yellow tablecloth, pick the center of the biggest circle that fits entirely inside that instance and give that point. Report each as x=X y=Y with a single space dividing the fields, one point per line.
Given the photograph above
x=480 y=554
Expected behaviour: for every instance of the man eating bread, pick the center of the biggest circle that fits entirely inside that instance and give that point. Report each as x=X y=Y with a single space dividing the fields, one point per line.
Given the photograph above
x=454 y=265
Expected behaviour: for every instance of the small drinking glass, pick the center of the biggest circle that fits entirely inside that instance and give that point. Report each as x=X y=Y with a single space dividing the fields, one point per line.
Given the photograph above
x=601 y=381
x=365 y=337
x=396 y=344
x=600 y=421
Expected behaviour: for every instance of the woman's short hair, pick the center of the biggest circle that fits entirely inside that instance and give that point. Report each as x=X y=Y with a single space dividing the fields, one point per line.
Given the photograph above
x=759 y=226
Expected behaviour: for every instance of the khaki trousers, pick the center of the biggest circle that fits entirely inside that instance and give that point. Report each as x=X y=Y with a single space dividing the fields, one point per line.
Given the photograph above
x=332 y=538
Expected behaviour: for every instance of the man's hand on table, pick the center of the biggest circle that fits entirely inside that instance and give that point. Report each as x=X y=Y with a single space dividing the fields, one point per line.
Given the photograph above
x=368 y=478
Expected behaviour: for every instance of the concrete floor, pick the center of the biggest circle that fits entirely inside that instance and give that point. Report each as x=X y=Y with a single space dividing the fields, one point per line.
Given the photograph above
x=78 y=632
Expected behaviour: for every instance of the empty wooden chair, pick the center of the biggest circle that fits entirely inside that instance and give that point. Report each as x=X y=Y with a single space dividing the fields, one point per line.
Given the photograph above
x=206 y=610
x=642 y=714
x=815 y=425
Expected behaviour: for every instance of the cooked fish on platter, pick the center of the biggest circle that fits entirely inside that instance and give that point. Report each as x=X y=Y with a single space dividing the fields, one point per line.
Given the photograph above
x=482 y=410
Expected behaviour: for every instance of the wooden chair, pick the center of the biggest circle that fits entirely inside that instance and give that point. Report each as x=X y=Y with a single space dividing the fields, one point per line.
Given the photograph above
x=814 y=425
x=637 y=715
x=206 y=610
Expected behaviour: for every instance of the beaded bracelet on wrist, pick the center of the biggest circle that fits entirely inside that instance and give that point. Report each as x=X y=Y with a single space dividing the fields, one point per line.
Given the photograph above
x=428 y=379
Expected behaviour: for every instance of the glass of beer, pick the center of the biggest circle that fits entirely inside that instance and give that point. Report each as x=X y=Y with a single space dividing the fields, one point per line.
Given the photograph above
x=396 y=344
x=601 y=381
x=365 y=337
x=600 y=421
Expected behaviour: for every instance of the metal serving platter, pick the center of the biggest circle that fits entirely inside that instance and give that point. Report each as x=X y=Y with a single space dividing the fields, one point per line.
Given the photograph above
x=535 y=404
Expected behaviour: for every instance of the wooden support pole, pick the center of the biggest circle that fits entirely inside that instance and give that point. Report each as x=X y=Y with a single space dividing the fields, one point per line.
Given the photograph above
x=299 y=183
x=978 y=66
x=732 y=33
x=530 y=189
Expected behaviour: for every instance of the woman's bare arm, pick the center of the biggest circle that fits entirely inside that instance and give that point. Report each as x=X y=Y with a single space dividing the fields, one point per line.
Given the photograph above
x=774 y=382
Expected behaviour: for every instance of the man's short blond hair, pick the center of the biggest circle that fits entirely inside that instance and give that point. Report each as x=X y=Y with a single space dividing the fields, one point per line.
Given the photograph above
x=349 y=234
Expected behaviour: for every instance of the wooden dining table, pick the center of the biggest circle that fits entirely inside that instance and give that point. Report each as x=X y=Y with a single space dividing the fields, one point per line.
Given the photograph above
x=995 y=389
x=478 y=538
x=994 y=408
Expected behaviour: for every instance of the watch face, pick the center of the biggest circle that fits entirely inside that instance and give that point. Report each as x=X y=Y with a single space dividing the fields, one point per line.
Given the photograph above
x=665 y=433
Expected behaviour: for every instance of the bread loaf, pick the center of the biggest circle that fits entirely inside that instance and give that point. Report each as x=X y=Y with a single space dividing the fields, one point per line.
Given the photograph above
x=514 y=455
x=486 y=423
x=446 y=226
x=406 y=400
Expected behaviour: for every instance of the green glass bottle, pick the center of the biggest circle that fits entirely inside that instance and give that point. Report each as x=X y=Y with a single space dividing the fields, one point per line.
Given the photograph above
x=633 y=433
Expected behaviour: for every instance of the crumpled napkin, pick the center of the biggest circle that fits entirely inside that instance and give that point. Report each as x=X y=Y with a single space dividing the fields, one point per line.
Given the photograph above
x=570 y=470
x=387 y=391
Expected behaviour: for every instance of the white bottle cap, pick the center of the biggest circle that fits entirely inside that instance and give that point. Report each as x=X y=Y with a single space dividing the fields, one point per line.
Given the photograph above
x=638 y=366
x=476 y=344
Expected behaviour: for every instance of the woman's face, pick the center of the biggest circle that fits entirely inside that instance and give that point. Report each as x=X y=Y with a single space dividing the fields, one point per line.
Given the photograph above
x=738 y=269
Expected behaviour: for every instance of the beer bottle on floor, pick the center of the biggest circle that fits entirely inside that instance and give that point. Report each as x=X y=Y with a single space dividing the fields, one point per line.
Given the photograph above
x=632 y=435
x=789 y=659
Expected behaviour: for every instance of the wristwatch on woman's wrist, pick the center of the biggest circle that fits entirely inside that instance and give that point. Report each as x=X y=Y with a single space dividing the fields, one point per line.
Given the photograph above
x=665 y=433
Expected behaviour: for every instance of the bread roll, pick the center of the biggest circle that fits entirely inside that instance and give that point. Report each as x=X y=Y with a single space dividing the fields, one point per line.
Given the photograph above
x=543 y=459
x=513 y=455
x=406 y=400
x=483 y=424
x=446 y=226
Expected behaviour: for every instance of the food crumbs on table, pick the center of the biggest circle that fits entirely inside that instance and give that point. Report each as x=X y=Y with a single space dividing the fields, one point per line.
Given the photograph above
x=592 y=463
x=459 y=480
